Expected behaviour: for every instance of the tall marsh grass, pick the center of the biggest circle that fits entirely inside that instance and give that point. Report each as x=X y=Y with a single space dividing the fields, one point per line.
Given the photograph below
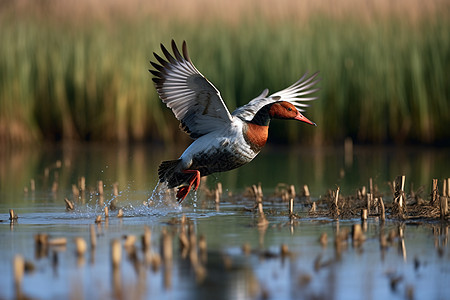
x=82 y=75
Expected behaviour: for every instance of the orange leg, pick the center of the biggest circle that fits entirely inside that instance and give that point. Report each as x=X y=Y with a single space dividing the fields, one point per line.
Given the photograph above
x=184 y=190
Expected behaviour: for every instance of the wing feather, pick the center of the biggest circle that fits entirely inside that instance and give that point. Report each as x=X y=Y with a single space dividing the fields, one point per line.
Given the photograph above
x=293 y=94
x=195 y=102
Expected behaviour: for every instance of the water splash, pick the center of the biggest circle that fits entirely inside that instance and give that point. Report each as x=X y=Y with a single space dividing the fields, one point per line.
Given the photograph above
x=133 y=203
x=195 y=200
x=155 y=196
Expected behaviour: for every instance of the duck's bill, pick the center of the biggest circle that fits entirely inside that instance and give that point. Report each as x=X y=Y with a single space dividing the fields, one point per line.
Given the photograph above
x=302 y=118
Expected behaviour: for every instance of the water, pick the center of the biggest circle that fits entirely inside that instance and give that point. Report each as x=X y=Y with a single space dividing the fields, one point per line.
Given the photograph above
x=421 y=268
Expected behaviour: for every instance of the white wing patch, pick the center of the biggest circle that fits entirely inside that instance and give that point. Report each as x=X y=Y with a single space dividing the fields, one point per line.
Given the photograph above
x=296 y=94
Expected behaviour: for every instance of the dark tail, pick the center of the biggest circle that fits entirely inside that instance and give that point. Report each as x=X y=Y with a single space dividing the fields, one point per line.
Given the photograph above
x=167 y=169
x=168 y=172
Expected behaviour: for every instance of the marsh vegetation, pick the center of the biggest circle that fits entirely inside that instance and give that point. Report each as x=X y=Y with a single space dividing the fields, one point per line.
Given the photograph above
x=79 y=72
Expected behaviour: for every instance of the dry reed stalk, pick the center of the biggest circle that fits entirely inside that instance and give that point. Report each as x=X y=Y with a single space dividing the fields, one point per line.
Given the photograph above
x=262 y=223
x=335 y=208
x=369 y=202
x=19 y=270
x=443 y=206
x=98 y=219
x=399 y=190
x=75 y=191
x=130 y=240
x=357 y=235
x=233 y=12
x=116 y=253
x=32 y=185
x=120 y=213
x=62 y=241
x=444 y=188
x=363 y=191
x=183 y=220
x=257 y=191
x=12 y=216
x=291 y=207
x=41 y=239
x=166 y=246
x=306 y=191
x=184 y=243
x=292 y=193
x=434 y=193
x=80 y=246
x=260 y=209
x=448 y=186
x=364 y=214
x=82 y=184
x=375 y=204
x=336 y=197
x=100 y=187
x=116 y=189
x=284 y=250
x=258 y=199
x=284 y=196
x=69 y=204
x=444 y=198
x=146 y=239
x=219 y=188
x=382 y=209
x=402 y=243
x=106 y=212
x=217 y=196
x=92 y=236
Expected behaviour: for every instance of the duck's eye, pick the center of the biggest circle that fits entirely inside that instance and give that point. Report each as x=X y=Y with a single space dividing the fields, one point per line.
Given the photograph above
x=289 y=109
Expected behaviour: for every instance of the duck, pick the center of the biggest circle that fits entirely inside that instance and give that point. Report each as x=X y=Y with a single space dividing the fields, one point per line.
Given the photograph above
x=222 y=141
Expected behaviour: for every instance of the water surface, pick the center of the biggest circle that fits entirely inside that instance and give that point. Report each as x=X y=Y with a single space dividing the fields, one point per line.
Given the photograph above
x=421 y=268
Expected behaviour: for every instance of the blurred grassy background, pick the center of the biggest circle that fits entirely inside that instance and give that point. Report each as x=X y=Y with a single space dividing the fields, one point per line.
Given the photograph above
x=77 y=70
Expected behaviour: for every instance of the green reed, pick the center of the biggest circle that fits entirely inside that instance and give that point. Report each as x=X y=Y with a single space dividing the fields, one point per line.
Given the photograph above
x=382 y=81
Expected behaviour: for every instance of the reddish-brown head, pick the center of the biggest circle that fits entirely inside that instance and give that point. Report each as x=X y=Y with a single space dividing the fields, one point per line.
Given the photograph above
x=285 y=110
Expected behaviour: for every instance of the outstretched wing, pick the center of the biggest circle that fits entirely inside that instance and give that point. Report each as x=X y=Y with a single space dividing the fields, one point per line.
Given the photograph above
x=296 y=94
x=195 y=102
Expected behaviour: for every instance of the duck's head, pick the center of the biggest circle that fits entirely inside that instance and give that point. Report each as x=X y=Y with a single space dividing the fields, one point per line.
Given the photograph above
x=285 y=110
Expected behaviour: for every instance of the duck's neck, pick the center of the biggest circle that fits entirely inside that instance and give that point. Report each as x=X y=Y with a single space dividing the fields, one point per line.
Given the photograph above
x=257 y=130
